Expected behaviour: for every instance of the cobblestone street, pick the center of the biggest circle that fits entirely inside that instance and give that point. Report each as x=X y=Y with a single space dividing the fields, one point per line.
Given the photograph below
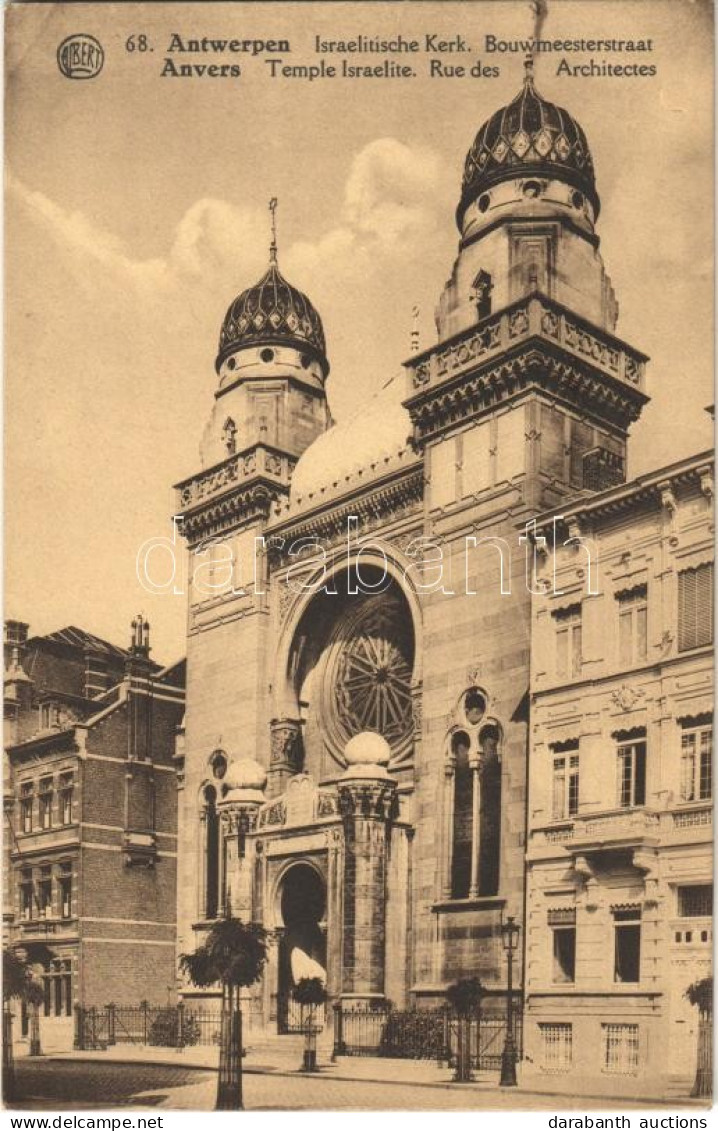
x=83 y=1085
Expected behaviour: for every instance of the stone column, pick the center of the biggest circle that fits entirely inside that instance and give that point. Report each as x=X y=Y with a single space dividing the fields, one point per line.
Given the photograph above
x=367 y=796
x=287 y=755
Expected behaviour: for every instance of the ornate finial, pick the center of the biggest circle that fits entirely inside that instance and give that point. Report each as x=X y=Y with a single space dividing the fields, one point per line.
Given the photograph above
x=540 y=11
x=415 y=330
x=273 y=245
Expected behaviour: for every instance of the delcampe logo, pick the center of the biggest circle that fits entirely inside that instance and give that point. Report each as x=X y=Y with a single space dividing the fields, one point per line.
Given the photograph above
x=80 y=56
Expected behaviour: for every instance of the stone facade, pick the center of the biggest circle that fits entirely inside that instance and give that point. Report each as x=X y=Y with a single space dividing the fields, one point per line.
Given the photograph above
x=620 y=845
x=91 y=815
x=378 y=578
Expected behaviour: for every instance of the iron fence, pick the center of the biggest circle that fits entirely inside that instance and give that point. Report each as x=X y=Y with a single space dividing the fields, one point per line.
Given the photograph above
x=422 y=1034
x=171 y=1026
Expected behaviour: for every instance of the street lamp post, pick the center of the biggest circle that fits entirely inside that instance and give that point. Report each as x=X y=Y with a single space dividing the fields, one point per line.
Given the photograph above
x=510 y=939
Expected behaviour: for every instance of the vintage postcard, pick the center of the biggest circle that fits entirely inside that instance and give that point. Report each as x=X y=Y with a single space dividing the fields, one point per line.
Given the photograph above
x=359 y=557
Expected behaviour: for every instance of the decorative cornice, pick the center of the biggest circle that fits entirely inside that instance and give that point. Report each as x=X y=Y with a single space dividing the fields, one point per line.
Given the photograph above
x=243 y=487
x=392 y=497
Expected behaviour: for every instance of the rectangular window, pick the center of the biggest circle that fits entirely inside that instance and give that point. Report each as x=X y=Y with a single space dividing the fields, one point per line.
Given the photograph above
x=65 y=881
x=44 y=892
x=695 y=901
x=632 y=774
x=26 y=800
x=556 y=1047
x=26 y=894
x=696 y=763
x=568 y=641
x=57 y=986
x=633 y=626
x=564 y=954
x=67 y=787
x=565 y=786
x=45 y=795
x=620 y=1049
x=627 y=950
x=695 y=607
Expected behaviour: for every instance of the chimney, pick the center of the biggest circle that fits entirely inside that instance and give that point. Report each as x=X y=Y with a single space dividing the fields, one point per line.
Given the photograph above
x=14 y=643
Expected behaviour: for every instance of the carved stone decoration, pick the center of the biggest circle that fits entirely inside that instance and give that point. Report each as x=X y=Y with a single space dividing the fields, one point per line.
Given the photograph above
x=375 y=799
x=286 y=744
x=237 y=818
x=626 y=696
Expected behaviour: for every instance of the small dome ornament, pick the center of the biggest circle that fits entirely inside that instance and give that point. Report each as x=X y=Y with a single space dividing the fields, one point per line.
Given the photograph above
x=367 y=756
x=530 y=137
x=244 y=780
x=272 y=312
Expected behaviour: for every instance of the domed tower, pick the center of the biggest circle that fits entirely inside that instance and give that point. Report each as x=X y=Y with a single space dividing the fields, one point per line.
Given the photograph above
x=527 y=319
x=272 y=367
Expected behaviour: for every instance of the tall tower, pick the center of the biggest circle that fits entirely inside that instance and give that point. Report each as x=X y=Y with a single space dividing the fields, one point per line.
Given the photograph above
x=525 y=400
x=269 y=405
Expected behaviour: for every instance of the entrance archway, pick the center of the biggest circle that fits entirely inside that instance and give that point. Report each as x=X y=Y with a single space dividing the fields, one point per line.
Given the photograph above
x=303 y=944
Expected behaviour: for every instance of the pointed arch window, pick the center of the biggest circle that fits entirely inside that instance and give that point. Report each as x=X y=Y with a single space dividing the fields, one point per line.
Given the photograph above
x=473 y=805
x=210 y=818
x=483 y=286
x=229 y=436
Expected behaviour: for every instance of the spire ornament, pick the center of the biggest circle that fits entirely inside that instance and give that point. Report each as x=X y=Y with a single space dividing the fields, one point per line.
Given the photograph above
x=273 y=245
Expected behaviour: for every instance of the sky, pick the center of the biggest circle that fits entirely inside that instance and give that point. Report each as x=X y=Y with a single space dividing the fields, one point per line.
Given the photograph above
x=136 y=209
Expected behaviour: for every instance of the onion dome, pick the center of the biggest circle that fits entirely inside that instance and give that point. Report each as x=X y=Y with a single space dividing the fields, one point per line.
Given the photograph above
x=272 y=312
x=529 y=137
x=367 y=755
x=244 y=781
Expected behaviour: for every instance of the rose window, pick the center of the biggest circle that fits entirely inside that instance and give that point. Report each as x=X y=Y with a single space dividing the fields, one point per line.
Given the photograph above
x=368 y=682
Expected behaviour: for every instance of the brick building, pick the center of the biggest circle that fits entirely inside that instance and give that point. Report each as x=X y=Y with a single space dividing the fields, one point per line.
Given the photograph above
x=91 y=817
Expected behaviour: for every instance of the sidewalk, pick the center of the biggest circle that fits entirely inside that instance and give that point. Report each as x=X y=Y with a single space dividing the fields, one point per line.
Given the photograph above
x=377 y=1070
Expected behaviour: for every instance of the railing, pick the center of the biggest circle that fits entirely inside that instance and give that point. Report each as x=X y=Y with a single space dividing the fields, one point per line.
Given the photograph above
x=171 y=1026
x=422 y=1034
x=537 y=316
x=622 y=824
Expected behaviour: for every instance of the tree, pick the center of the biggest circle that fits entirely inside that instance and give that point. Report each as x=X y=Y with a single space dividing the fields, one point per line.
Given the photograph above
x=310 y=993
x=19 y=983
x=700 y=993
x=232 y=956
x=464 y=997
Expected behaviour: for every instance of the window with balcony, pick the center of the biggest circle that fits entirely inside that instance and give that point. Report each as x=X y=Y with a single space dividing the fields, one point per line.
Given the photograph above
x=695 y=607
x=633 y=626
x=65 y=882
x=627 y=949
x=556 y=1046
x=696 y=762
x=44 y=892
x=568 y=641
x=564 y=799
x=26 y=895
x=45 y=794
x=632 y=774
x=26 y=801
x=562 y=924
x=620 y=1049
x=67 y=789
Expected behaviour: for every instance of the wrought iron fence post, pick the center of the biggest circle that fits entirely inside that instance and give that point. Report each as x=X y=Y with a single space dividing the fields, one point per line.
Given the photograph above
x=79 y=1042
x=144 y=1006
x=111 y=1021
x=35 y=1049
x=180 y=1025
x=229 y=1079
x=8 y=1060
x=339 y=1048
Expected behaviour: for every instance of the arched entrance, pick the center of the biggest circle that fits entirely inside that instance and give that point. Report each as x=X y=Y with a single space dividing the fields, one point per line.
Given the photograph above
x=303 y=944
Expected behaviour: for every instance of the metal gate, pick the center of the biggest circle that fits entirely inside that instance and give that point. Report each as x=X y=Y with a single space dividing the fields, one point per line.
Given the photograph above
x=292 y=1017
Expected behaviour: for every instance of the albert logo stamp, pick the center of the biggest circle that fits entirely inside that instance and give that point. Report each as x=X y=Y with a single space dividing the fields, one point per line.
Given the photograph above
x=80 y=56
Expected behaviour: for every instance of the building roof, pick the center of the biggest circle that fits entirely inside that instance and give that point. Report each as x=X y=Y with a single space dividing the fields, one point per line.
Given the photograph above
x=530 y=137
x=272 y=312
x=73 y=637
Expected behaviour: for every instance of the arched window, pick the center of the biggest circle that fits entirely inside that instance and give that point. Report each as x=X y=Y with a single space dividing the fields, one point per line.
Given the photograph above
x=483 y=286
x=229 y=436
x=473 y=803
x=211 y=852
